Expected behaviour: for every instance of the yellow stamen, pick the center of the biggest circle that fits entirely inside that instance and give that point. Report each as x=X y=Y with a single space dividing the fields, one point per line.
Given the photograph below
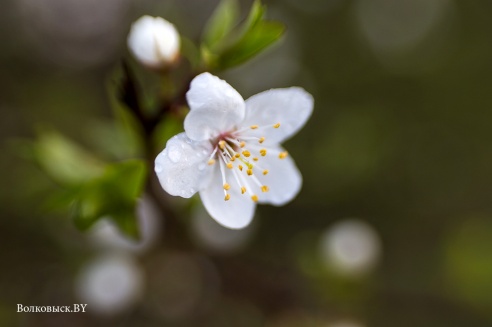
x=277 y=125
x=249 y=172
x=264 y=188
x=233 y=158
x=246 y=153
x=222 y=144
x=230 y=165
x=211 y=162
x=254 y=126
x=255 y=159
x=227 y=186
x=254 y=198
x=240 y=168
x=265 y=172
x=242 y=144
x=261 y=140
x=237 y=155
x=263 y=152
x=227 y=197
x=283 y=155
x=243 y=190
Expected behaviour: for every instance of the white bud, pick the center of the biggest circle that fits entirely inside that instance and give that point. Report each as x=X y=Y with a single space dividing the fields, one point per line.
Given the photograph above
x=154 y=42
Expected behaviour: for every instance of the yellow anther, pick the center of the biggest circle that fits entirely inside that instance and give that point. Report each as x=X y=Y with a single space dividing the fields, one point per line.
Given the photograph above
x=254 y=126
x=263 y=152
x=250 y=166
x=246 y=153
x=237 y=155
x=255 y=159
x=264 y=188
x=240 y=168
x=242 y=144
x=249 y=172
x=243 y=190
x=230 y=165
x=211 y=162
x=265 y=172
x=222 y=144
x=283 y=155
x=277 y=125
x=233 y=158
x=227 y=197
x=261 y=140
x=254 y=198
x=227 y=186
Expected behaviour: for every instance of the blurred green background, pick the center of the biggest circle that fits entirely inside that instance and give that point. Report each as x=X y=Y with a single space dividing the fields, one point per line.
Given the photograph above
x=393 y=226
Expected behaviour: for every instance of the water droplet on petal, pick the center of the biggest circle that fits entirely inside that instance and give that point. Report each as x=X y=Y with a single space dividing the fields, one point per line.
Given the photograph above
x=174 y=153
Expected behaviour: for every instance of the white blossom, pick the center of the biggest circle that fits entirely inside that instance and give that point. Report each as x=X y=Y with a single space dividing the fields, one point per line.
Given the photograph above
x=230 y=151
x=154 y=42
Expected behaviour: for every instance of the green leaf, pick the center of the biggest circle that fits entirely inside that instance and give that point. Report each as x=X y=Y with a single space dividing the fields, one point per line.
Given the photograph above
x=127 y=178
x=113 y=195
x=220 y=23
x=244 y=42
x=256 y=14
x=127 y=224
x=169 y=126
x=64 y=160
x=89 y=206
x=260 y=37
x=190 y=51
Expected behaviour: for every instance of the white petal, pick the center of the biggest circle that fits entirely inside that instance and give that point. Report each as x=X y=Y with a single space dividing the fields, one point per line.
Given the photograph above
x=283 y=179
x=215 y=107
x=237 y=212
x=291 y=107
x=182 y=166
x=167 y=39
x=154 y=41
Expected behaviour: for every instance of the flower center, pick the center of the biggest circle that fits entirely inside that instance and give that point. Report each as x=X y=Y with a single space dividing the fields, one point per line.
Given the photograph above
x=242 y=155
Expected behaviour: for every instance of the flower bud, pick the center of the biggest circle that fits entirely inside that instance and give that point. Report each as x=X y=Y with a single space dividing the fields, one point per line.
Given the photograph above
x=154 y=42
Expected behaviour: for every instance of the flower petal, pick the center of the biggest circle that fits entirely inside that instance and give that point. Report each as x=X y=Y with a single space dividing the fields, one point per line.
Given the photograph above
x=182 y=166
x=215 y=107
x=291 y=107
x=283 y=179
x=154 y=41
x=237 y=212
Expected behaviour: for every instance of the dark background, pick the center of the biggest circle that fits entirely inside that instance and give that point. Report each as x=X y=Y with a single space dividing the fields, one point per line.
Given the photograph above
x=399 y=142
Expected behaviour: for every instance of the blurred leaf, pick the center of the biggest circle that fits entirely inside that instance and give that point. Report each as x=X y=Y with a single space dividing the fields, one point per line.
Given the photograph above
x=468 y=262
x=114 y=195
x=127 y=223
x=62 y=199
x=260 y=37
x=244 y=42
x=127 y=177
x=256 y=14
x=221 y=22
x=169 y=126
x=190 y=51
x=64 y=160
x=113 y=140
